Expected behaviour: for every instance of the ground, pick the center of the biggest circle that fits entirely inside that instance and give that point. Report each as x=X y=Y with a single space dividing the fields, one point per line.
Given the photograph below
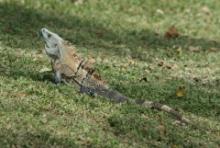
x=129 y=41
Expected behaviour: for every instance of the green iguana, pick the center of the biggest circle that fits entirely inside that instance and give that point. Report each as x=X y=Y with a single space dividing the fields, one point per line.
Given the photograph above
x=70 y=68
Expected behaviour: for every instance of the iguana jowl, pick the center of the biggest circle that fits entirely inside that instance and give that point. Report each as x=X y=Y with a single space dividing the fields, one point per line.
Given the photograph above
x=69 y=67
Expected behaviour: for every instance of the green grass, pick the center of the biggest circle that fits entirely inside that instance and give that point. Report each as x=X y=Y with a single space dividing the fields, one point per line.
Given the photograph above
x=127 y=40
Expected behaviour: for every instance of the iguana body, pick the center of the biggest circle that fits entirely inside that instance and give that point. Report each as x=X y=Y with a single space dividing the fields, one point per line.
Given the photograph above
x=69 y=67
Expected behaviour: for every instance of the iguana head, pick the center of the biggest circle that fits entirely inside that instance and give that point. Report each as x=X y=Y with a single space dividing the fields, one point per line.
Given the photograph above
x=53 y=43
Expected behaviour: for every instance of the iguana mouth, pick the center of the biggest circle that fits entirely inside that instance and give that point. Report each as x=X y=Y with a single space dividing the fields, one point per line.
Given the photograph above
x=46 y=45
x=40 y=33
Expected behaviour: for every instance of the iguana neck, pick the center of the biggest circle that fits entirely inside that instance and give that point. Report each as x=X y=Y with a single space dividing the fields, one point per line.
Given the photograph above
x=63 y=52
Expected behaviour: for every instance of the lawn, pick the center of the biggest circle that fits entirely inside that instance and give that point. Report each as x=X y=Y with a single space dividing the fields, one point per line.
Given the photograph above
x=133 y=53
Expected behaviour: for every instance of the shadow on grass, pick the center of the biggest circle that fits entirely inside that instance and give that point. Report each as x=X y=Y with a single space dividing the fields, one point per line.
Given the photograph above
x=27 y=139
x=20 y=25
x=154 y=131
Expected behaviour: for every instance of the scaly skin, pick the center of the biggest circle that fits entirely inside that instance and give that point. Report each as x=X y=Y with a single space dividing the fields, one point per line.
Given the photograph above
x=70 y=68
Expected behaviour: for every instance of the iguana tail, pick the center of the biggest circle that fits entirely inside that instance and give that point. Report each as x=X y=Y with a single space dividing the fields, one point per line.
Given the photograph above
x=115 y=96
x=163 y=107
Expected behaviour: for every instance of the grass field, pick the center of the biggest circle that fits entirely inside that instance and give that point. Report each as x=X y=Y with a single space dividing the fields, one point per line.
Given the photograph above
x=126 y=37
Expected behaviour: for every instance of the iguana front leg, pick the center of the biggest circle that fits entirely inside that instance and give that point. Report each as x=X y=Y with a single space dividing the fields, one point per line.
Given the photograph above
x=57 y=77
x=55 y=64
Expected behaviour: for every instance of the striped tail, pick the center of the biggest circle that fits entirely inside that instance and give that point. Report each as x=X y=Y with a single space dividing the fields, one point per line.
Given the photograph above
x=117 y=97
x=165 y=108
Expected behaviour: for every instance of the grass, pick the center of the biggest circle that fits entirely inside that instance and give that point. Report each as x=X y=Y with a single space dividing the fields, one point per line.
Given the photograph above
x=127 y=40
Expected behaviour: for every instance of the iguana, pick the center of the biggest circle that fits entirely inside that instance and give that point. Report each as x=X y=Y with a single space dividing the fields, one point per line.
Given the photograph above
x=69 y=67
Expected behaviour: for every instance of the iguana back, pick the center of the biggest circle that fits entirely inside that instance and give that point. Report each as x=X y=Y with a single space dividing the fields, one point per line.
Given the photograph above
x=76 y=70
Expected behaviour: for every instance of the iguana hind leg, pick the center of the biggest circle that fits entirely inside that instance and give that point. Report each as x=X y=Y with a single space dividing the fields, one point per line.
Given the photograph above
x=87 y=90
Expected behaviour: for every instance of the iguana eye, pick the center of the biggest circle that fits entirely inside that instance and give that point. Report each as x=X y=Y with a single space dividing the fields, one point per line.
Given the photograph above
x=49 y=35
